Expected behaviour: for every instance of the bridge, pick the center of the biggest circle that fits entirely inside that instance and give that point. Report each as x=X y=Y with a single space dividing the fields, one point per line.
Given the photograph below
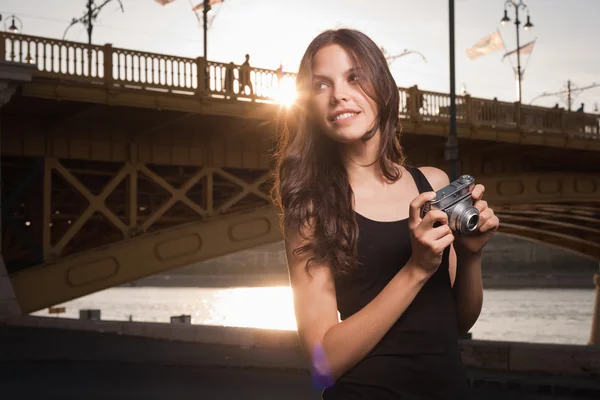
x=118 y=164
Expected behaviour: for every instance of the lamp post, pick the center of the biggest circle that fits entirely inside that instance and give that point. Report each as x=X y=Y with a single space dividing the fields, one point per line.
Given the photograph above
x=517 y=4
x=205 y=11
x=451 y=148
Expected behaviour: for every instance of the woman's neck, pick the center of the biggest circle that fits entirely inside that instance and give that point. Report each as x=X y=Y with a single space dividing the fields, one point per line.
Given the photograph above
x=361 y=160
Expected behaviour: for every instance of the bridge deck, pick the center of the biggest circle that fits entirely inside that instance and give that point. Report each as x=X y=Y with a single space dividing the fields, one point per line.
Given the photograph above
x=109 y=75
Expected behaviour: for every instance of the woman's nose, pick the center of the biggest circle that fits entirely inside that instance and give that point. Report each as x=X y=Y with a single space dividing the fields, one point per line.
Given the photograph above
x=338 y=95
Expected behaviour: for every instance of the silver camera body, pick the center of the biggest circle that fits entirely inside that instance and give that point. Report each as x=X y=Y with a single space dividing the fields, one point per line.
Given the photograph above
x=456 y=201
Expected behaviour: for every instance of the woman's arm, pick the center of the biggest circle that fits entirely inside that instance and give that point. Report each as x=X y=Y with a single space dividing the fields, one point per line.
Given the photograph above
x=465 y=256
x=467 y=289
x=334 y=347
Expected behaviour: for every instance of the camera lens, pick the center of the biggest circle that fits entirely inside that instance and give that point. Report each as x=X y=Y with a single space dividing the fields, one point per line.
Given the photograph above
x=468 y=220
x=464 y=218
x=472 y=222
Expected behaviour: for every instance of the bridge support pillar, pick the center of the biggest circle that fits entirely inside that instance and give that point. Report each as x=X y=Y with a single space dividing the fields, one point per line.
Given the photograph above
x=9 y=307
x=595 y=334
x=10 y=77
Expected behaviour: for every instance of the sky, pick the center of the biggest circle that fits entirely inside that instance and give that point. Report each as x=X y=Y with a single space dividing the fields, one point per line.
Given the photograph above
x=567 y=34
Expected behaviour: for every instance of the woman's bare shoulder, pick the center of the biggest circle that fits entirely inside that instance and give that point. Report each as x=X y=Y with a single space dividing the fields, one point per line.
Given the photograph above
x=437 y=178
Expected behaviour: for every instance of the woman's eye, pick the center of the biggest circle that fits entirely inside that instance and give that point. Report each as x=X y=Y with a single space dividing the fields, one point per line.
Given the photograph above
x=353 y=78
x=320 y=85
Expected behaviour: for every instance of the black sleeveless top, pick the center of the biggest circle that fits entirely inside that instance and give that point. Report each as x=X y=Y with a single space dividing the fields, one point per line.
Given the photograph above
x=419 y=357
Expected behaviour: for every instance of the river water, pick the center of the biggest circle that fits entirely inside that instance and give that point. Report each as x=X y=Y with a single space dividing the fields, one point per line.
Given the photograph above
x=525 y=315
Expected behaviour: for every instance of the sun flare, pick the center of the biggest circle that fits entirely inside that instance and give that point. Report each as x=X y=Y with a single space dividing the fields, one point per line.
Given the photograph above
x=286 y=92
x=270 y=308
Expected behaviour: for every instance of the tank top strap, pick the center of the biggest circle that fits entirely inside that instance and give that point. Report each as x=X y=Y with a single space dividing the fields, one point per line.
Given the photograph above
x=422 y=183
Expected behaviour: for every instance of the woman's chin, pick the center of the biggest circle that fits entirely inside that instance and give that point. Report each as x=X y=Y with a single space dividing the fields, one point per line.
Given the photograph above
x=346 y=135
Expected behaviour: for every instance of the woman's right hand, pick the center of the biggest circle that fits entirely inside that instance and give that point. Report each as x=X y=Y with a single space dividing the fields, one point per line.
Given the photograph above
x=428 y=243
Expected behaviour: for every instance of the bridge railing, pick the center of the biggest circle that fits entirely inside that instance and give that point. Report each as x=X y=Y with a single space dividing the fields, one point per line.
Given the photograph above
x=54 y=58
x=133 y=69
x=492 y=113
x=158 y=71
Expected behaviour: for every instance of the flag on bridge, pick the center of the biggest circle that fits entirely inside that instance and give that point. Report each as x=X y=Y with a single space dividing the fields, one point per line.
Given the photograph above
x=489 y=44
x=525 y=49
x=200 y=5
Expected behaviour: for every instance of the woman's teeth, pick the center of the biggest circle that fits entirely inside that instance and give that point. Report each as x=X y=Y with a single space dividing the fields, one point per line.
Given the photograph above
x=344 y=116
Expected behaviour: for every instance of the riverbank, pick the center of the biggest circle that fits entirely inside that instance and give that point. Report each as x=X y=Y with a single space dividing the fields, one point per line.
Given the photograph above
x=508 y=263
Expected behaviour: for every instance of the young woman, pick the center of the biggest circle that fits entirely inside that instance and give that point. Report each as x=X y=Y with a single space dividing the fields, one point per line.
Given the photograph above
x=355 y=241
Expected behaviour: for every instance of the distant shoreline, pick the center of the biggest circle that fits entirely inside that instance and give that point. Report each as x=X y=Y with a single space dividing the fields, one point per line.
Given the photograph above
x=508 y=263
x=525 y=281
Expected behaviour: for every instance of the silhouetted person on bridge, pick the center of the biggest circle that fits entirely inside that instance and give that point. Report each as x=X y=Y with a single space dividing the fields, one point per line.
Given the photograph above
x=405 y=284
x=245 y=78
x=279 y=73
x=580 y=109
x=419 y=100
x=229 y=78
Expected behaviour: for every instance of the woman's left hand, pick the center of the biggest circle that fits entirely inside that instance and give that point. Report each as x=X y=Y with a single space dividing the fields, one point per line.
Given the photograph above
x=487 y=226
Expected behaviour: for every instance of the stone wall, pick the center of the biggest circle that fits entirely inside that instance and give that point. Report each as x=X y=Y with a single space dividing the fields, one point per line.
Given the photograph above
x=514 y=357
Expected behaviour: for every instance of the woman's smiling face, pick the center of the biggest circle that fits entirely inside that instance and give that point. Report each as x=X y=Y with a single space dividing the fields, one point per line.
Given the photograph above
x=339 y=106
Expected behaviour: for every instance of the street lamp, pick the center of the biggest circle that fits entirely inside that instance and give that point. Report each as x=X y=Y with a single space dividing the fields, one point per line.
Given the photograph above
x=528 y=24
x=517 y=4
x=13 y=28
x=205 y=6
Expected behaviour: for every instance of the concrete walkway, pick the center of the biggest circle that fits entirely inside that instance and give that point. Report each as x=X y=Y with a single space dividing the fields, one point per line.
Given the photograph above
x=42 y=363
x=94 y=380
x=47 y=363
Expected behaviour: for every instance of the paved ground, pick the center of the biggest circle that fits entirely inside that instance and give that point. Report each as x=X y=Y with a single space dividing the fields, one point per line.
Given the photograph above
x=93 y=380
x=40 y=363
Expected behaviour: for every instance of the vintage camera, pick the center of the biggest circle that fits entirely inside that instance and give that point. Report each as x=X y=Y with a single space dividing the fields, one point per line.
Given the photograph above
x=456 y=201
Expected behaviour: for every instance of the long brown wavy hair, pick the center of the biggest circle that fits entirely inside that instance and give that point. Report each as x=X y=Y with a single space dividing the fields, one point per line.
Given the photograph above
x=311 y=183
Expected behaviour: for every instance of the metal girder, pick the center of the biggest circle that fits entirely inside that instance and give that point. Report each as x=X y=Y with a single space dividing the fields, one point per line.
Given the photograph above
x=549 y=222
x=227 y=210
x=571 y=226
x=176 y=194
x=84 y=273
x=218 y=220
x=254 y=188
x=96 y=203
x=528 y=188
x=567 y=242
x=127 y=219
x=548 y=214
x=572 y=209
